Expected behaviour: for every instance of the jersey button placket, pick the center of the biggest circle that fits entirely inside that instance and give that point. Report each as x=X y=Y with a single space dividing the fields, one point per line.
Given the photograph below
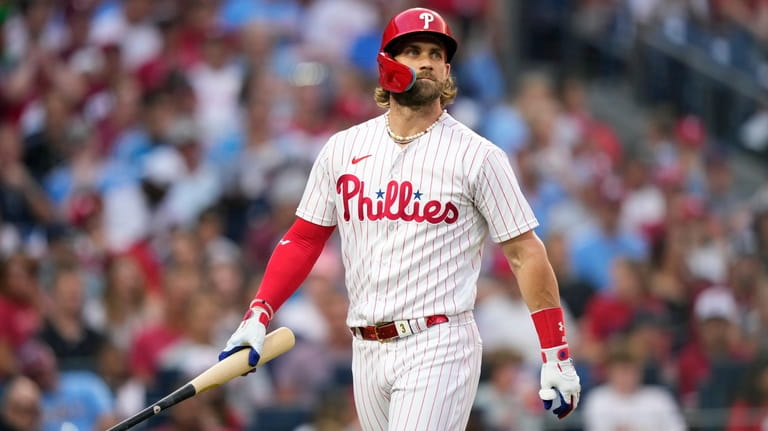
x=395 y=170
x=395 y=175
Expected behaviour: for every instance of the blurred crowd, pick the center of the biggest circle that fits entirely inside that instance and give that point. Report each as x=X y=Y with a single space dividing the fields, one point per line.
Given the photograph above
x=152 y=153
x=704 y=56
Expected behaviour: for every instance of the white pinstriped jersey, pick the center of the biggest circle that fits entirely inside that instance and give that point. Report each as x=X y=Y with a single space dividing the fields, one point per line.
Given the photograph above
x=413 y=219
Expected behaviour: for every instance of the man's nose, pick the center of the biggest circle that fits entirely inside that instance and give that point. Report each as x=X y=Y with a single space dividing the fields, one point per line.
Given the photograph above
x=425 y=64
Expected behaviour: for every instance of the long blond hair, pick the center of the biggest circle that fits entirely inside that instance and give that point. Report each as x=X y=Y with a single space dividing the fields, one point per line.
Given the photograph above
x=447 y=96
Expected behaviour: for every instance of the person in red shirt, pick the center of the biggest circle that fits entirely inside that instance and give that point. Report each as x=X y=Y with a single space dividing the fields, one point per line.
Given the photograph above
x=20 y=307
x=612 y=312
x=715 y=343
x=150 y=343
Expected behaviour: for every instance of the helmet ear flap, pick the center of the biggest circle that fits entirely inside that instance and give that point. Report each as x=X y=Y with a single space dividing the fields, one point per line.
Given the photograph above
x=393 y=75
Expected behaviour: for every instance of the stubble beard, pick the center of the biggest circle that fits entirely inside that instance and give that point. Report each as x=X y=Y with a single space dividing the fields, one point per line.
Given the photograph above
x=424 y=92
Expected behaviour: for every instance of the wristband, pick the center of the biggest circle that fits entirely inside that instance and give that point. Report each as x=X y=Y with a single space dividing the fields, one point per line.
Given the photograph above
x=264 y=317
x=559 y=353
x=550 y=327
x=258 y=302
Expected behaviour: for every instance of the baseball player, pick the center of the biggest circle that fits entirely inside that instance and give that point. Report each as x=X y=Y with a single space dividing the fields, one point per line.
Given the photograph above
x=414 y=194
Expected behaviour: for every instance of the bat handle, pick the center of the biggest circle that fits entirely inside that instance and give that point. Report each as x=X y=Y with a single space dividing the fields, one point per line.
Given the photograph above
x=174 y=397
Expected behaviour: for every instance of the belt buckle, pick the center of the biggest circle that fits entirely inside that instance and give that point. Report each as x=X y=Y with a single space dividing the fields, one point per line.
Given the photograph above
x=376 y=332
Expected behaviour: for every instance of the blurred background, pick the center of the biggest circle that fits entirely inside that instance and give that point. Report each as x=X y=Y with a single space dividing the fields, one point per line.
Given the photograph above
x=152 y=153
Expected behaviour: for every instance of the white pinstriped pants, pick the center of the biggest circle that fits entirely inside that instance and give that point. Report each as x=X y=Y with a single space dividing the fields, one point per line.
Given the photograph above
x=426 y=381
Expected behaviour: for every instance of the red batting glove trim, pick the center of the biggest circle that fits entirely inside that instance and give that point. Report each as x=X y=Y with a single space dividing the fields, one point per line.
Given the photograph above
x=258 y=302
x=550 y=326
x=263 y=317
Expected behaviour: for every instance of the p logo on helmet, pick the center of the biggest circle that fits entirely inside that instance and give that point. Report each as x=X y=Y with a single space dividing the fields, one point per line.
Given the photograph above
x=395 y=76
x=427 y=17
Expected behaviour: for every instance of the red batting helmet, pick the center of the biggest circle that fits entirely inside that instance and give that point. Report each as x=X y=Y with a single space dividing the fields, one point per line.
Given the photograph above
x=418 y=20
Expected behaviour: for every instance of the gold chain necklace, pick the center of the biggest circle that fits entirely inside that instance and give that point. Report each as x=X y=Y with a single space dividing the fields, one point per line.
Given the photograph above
x=406 y=139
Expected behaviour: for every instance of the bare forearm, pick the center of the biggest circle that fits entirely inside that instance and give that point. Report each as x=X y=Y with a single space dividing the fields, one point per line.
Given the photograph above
x=528 y=260
x=538 y=285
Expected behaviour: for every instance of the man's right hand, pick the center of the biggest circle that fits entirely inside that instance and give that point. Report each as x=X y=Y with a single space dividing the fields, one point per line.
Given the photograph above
x=250 y=334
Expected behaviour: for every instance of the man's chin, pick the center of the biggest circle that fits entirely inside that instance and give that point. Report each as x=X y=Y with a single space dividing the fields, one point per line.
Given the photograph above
x=423 y=92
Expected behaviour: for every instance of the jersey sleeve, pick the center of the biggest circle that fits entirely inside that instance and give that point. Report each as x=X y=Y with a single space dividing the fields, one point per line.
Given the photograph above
x=499 y=199
x=318 y=202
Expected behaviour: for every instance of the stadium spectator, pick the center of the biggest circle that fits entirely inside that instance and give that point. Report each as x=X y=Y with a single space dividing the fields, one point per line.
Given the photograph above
x=126 y=303
x=759 y=235
x=197 y=185
x=648 y=340
x=610 y=313
x=21 y=305
x=544 y=194
x=180 y=285
x=129 y=392
x=23 y=203
x=131 y=26
x=594 y=252
x=644 y=205
x=80 y=398
x=756 y=322
x=20 y=405
x=73 y=341
x=216 y=79
x=624 y=402
x=716 y=355
x=749 y=411
x=190 y=354
x=508 y=395
x=318 y=364
x=228 y=280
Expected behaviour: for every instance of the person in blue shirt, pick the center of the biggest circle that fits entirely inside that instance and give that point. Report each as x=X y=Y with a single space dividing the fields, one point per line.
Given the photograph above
x=594 y=251
x=78 y=398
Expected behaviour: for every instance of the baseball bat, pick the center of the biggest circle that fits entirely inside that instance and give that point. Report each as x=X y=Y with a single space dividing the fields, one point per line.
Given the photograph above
x=276 y=343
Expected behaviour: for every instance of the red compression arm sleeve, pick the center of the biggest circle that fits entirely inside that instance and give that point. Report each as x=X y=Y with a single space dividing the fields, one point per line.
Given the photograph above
x=292 y=260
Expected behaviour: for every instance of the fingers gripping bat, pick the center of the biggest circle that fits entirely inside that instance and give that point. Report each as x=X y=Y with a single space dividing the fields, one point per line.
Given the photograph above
x=276 y=343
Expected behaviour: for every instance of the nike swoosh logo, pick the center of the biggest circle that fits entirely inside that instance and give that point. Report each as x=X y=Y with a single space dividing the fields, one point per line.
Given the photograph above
x=356 y=160
x=285 y=241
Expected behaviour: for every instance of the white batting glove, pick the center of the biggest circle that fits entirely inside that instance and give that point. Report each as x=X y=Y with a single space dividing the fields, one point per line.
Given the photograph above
x=250 y=334
x=559 y=381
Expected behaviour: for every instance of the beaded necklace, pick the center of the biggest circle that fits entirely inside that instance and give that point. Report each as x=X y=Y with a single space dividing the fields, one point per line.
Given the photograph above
x=406 y=139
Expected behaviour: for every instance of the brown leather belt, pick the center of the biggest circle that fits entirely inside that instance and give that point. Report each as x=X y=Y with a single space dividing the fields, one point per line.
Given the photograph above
x=388 y=331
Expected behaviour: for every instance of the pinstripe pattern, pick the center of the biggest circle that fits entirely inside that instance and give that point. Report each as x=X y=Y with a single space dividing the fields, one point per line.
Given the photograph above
x=403 y=269
x=412 y=222
x=426 y=381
